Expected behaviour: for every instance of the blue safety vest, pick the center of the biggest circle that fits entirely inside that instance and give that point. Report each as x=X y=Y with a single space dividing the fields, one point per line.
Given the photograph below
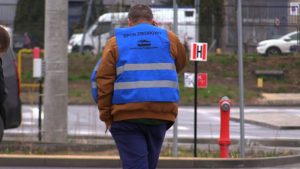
x=94 y=83
x=146 y=70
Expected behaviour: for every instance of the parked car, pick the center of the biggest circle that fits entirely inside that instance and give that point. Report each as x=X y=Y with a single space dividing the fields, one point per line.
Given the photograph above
x=11 y=116
x=282 y=45
x=18 y=42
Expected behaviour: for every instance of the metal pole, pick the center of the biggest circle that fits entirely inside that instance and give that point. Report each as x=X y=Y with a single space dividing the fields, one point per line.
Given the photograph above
x=40 y=107
x=86 y=22
x=298 y=29
x=241 y=76
x=195 y=110
x=197 y=6
x=175 y=127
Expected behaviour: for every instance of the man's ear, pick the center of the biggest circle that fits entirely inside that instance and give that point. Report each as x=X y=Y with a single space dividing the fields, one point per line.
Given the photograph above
x=154 y=23
x=129 y=23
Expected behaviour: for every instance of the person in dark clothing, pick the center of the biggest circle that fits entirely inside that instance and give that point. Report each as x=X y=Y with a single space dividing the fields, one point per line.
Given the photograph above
x=27 y=41
x=4 y=44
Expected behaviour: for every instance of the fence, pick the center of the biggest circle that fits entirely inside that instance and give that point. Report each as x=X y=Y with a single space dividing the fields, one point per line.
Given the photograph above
x=261 y=20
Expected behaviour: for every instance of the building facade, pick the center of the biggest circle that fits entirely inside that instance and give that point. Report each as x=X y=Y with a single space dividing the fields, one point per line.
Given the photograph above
x=261 y=20
x=8 y=12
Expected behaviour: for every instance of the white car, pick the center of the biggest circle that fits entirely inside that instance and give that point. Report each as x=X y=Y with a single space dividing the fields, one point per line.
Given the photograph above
x=282 y=45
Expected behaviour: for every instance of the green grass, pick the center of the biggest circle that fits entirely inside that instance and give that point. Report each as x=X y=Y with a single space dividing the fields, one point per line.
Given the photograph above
x=81 y=67
x=80 y=95
x=82 y=76
x=222 y=77
x=296 y=64
x=280 y=90
x=225 y=60
x=210 y=95
x=234 y=74
x=27 y=76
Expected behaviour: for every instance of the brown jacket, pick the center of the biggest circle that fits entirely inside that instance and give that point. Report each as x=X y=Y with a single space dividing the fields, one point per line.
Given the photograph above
x=106 y=76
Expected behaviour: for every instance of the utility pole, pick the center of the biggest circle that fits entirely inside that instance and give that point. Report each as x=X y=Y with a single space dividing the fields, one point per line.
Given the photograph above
x=175 y=126
x=241 y=76
x=56 y=71
x=86 y=23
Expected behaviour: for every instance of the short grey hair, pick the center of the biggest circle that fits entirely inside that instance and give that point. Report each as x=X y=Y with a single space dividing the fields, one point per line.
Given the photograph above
x=140 y=11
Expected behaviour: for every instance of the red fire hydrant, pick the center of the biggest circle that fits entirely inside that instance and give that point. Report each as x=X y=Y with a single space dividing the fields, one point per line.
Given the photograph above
x=224 y=141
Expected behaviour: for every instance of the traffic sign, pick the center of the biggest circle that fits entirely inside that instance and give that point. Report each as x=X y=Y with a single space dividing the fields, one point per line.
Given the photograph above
x=294 y=8
x=189 y=80
x=202 y=80
x=198 y=52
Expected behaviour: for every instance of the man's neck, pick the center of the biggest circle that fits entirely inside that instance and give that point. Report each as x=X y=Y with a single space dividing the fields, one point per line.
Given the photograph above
x=140 y=21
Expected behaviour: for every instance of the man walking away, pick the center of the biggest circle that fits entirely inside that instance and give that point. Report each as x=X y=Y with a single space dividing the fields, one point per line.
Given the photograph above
x=138 y=87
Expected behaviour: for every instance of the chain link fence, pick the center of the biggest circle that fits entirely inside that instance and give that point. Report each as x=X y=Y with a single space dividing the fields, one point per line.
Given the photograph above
x=261 y=20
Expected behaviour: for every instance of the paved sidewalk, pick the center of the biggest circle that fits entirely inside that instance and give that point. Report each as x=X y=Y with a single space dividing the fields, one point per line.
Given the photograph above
x=281 y=98
x=275 y=120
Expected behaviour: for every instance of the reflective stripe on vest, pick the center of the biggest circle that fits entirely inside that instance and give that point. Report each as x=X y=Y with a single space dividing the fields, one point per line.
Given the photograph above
x=94 y=83
x=151 y=66
x=146 y=70
x=145 y=84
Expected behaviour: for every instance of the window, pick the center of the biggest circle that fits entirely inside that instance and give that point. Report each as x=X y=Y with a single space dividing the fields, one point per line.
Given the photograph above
x=189 y=13
x=294 y=36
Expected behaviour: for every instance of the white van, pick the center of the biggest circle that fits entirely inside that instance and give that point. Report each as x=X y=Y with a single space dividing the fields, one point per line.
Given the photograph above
x=97 y=35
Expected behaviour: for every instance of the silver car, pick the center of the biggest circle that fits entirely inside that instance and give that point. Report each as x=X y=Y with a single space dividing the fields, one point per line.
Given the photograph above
x=11 y=116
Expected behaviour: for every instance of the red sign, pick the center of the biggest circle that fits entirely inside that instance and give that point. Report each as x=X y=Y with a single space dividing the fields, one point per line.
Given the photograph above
x=202 y=80
x=198 y=52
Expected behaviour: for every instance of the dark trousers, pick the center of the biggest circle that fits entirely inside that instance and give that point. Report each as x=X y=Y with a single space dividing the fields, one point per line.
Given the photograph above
x=138 y=144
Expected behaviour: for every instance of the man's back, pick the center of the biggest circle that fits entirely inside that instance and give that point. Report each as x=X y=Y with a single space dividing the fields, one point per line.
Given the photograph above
x=108 y=73
x=138 y=87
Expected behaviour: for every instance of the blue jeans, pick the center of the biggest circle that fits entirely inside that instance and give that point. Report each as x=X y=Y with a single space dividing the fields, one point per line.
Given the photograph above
x=138 y=144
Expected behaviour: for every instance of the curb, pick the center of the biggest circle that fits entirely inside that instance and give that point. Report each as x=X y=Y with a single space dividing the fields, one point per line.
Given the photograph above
x=226 y=163
x=164 y=162
x=237 y=119
x=264 y=124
